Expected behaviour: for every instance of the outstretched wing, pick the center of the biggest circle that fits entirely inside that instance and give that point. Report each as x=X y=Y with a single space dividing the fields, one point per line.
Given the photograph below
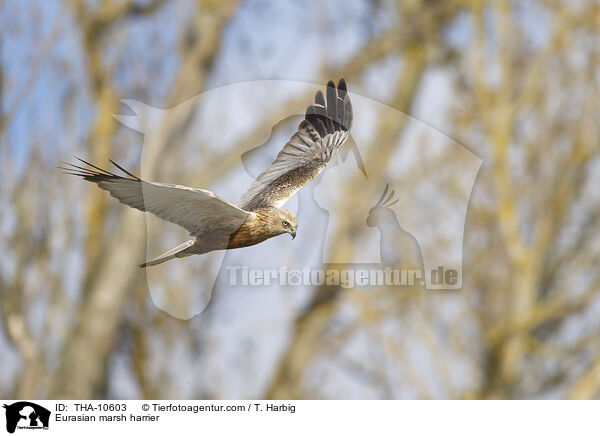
x=196 y=210
x=324 y=129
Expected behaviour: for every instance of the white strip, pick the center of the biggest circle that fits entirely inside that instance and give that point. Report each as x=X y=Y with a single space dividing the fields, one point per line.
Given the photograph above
x=316 y=417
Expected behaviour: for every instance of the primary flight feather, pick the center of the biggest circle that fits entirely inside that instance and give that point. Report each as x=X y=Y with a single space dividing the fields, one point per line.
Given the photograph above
x=216 y=224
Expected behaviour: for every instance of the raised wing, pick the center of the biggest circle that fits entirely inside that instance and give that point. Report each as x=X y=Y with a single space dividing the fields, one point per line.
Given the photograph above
x=196 y=210
x=324 y=129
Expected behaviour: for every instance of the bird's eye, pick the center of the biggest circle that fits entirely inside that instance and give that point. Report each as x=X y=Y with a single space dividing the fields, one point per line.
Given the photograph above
x=285 y=224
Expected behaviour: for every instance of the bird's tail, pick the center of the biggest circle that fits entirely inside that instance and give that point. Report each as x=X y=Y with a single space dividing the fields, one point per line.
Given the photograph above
x=178 y=251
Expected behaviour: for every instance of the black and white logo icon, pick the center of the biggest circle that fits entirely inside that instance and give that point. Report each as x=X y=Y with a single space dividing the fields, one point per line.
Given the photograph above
x=26 y=415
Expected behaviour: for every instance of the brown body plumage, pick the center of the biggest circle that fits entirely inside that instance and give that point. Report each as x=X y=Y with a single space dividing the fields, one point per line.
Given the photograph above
x=216 y=224
x=262 y=224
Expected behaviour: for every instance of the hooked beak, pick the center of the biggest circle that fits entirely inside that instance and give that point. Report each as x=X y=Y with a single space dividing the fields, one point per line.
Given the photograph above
x=293 y=233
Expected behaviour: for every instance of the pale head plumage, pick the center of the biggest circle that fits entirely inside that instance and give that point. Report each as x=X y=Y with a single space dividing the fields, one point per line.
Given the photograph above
x=286 y=221
x=276 y=221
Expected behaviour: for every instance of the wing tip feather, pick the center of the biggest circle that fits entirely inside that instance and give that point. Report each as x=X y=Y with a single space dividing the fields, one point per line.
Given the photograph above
x=333 y=109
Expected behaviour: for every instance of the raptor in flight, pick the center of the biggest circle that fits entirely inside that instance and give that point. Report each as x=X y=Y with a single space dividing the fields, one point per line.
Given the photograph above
x=216 y=224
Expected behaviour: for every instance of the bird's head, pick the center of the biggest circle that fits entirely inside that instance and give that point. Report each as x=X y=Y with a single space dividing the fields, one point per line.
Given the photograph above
x=381 y=211
x=284 y=221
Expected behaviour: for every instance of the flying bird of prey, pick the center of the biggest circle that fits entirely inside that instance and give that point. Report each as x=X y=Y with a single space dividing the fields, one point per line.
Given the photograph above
x=216 y=224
